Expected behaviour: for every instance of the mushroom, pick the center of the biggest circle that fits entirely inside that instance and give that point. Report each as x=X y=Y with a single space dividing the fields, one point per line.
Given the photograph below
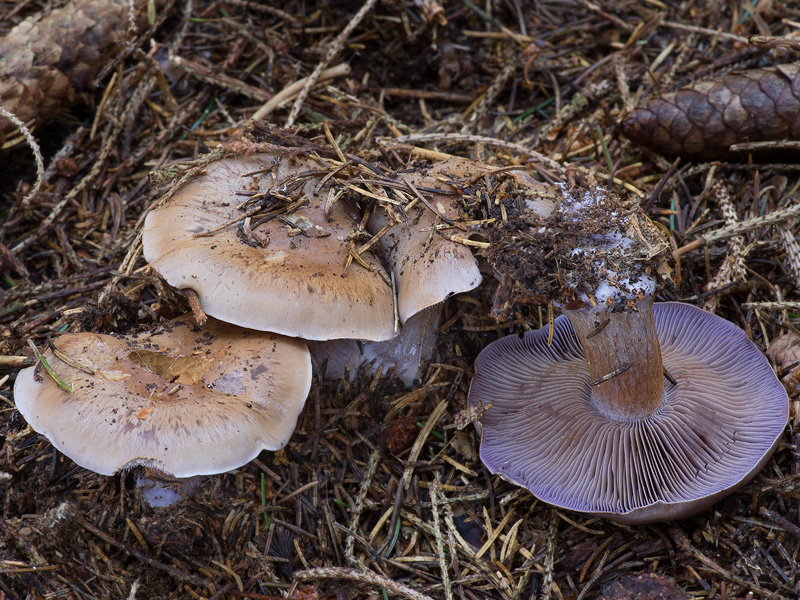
x=404 y=354
x=284 y=270
x=283 y=274
x=633 y=412
x=428 y=267
x=181 y=400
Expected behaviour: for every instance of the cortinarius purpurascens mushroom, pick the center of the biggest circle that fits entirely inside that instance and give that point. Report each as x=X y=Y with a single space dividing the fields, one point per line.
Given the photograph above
x=181 y=400
x=633 y=412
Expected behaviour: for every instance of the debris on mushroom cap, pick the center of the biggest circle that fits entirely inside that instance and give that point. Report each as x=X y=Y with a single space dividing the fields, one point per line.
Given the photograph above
x=404 y=354
x=281 y=270
x=428 y=251
x=717 y=427
x=181 y=400
x=427 y=266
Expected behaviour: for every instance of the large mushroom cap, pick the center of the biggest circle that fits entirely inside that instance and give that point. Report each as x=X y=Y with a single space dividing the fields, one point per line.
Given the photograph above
x=715 y=430
x=295 y=284
x=184 y=401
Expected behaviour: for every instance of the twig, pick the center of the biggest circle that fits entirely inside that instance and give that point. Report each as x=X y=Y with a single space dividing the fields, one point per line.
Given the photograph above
x=61 y=383
x=792 y=249
x=613 y=374
x=792 y=145
x=549 y=557
x=110 y=136
x=732 y=269
x=259 y=6
x=606 y=15
x=489 y=97
x=333 y=51
x=683 y=542
x=490 y=19
x=475 y=139
x=15 y=361
x=366 y=483
x=131 y=45
x=290 y=91
x=37 y=153
x=67 y=360
x=143 y=557
x=395 y=308
x=657 y=191
x=416 y=449
x=434 y=492
x=773 y=305
x=706 y=31
x=426 y=203
x=740 y=228
x=363 y=576
x=780 y=521
x=425 y=94
x=213 y=77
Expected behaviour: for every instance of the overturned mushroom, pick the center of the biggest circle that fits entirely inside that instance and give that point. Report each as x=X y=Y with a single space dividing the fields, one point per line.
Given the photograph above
x=181 y=400
x=630 y=411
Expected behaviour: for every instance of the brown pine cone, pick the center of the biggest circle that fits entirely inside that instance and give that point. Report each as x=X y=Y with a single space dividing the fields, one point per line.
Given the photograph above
x=702 y=120
x=45 y=63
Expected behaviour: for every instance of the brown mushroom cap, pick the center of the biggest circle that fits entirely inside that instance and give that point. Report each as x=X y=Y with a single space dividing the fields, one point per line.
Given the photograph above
x=184 y=401
x=715 y=430
x=294 y=285
x=428 y=267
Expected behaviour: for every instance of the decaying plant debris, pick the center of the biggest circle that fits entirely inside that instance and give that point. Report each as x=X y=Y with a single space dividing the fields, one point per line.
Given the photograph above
x=378 y=489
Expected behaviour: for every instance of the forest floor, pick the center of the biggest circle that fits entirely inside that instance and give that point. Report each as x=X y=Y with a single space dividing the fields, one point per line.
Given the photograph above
x=508 y=82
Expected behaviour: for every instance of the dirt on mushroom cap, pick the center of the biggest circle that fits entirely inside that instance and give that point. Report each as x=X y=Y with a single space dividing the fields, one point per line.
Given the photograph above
x=539 y=253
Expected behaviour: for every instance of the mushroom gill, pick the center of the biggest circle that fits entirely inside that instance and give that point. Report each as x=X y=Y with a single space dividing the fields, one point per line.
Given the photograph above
x=713 y=431
x=636 y=411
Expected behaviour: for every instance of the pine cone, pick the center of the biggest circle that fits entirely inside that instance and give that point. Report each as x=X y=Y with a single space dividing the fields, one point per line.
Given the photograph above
x=45 y=63
x=702 y=120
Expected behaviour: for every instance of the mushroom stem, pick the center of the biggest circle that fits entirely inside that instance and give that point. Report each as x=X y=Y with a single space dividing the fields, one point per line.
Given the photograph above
x=619 y=391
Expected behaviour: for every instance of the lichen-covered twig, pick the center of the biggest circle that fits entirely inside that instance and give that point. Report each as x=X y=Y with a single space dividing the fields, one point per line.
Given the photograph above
x=333 y=51
x=728 y=231
x=732 y=268
x=37 y=153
